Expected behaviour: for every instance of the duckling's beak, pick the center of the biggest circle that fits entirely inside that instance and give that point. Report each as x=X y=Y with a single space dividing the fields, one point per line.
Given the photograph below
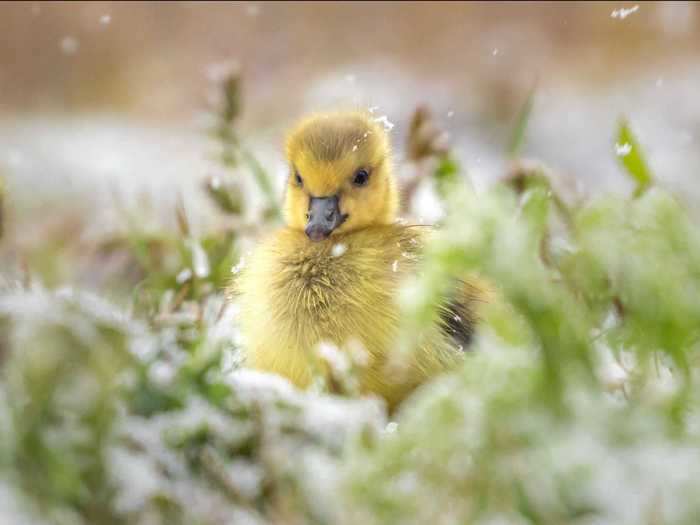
x=324 y=217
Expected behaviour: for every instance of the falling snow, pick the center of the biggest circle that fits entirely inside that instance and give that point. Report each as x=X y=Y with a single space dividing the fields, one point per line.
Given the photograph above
x=69 y=45
x=105 y=19
x=338 y=249
x=623 y=13
x=395 y=266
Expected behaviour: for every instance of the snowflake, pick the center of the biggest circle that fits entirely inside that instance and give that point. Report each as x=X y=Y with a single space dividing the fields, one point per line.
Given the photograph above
x=623 y=13
x=622 y=150
x=385 y=121
x=69 y=45
x=338 y=250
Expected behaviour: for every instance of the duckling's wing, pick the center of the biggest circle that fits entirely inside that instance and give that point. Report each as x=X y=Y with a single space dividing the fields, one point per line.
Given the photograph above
x=459 y=312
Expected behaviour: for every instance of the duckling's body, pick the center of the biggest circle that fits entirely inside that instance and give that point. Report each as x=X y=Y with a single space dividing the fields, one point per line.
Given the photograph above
x=301 y=287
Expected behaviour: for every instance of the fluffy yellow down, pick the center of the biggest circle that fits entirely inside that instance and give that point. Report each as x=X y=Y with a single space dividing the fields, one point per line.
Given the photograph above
x=295 y=293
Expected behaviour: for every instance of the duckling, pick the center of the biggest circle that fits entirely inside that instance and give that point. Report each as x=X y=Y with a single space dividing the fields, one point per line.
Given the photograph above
x=333 y=272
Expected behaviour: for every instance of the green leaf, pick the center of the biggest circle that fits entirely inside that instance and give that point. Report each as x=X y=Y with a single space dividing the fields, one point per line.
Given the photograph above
x=517 y=139
x=630 y=155
x=262 y=178
x=446 y=173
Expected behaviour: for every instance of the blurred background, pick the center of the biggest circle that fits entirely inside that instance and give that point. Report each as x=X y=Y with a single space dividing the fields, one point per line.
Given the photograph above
x=108 y=98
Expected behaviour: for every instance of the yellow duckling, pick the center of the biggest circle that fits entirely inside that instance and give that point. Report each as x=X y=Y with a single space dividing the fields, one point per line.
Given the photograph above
x=332 y=273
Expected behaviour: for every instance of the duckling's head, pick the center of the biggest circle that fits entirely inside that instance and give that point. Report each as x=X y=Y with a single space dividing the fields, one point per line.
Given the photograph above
x=340 y=175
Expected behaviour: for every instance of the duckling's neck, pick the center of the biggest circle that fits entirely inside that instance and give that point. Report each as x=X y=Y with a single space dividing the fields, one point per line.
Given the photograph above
x=345 y=258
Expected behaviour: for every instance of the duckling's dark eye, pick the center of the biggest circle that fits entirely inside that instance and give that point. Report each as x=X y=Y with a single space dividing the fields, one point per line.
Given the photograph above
x=297 y=179
x=361 y=177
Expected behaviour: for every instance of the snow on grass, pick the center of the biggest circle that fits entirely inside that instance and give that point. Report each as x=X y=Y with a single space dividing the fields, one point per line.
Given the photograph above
x=384 y=120
x=622 y=150
x=200 y=260
x=238 y=267
x=184 y=276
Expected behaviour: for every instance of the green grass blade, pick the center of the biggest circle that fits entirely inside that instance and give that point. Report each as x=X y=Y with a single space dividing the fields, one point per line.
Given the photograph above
x=630 y=155
x=263 y=181
x=517 y=140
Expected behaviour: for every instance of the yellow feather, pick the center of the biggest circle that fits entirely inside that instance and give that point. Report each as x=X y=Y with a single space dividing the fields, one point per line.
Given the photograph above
x=295 y=293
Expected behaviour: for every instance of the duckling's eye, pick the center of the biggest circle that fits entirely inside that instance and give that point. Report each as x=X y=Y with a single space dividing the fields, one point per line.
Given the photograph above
x=361 y=177
x=297 y=179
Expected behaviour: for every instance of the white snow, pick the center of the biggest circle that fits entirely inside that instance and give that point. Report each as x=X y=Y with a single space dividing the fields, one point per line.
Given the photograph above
x=622 y=150
x=162 y=373
x=69 y=45
x=385 y=121
x=184 y=276
x=334 y=357
x=395 y=266
x=105 y=19
x=338 y=249
x=238 y=267
x=623 y=13
x=200 y=261
x=613 y=375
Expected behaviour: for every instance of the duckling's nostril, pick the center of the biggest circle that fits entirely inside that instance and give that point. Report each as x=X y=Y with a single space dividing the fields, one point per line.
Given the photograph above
x=329 y=213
